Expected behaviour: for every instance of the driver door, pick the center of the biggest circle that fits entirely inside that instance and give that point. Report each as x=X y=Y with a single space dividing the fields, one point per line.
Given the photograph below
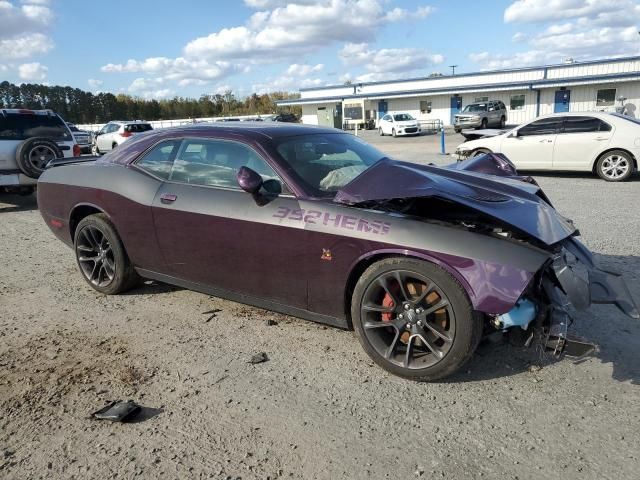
x=531 y=146
x=212 y=233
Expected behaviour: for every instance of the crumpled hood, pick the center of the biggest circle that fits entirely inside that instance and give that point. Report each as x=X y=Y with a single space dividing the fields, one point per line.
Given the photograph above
x=509 y=200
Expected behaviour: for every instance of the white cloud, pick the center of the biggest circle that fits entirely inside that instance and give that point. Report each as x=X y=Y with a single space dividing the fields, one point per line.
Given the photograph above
x=303 y=70
x=94 y=83
x=519 y=37
x=21 y=29
x=150 y=88
x=32 y=72
x=278 y=31
x=552 y=10
x=299 y=27
x=580 y=29
x=386 y=63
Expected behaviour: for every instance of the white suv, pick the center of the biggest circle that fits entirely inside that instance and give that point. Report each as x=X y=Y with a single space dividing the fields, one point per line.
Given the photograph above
x=29 y=140
x=116 y=133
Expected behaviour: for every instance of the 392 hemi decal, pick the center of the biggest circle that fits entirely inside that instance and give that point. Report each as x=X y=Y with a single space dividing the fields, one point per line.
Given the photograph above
x=338 y=221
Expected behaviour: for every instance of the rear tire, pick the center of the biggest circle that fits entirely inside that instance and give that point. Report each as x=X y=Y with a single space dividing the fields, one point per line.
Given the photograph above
x=33 y=155
x=101 y=257
x=393 y=132
x=615 y=166
x=381 y=132
x=503 y=122
x=421 y=327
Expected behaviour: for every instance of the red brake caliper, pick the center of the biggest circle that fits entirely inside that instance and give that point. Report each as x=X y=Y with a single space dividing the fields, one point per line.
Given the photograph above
x=387 y=301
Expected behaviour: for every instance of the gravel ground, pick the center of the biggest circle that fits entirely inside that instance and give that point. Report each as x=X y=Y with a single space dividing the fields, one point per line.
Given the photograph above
x=318 y=408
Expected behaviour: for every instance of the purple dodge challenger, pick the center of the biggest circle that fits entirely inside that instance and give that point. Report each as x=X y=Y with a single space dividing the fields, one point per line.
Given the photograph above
x=419 y=260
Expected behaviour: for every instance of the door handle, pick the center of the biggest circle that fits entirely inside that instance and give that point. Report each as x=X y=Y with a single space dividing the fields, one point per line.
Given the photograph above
x=600 y=139
x=546 y=141
x=168 y=198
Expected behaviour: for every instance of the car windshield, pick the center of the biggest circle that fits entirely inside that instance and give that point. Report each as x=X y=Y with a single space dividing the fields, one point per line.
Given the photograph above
x=475 y=107
x=402 y=117
x=326 y=162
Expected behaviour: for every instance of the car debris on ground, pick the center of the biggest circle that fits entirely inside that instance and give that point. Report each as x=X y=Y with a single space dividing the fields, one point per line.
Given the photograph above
x=259 y=358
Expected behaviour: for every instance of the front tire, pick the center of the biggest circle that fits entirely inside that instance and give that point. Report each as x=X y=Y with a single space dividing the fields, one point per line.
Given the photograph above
x=414 y=319
x=381 y=132
x=503 y=122
x=615 y=166
x=101 y=256
x=484 y=124
x=393 y=132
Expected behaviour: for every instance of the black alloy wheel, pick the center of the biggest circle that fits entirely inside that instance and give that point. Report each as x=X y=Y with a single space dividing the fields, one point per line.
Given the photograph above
x=101 y=257
x=414 y=319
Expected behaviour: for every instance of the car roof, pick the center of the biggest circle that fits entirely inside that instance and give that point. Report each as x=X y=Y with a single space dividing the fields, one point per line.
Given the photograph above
x=576 y=114
x=129 y=122
x=266 y=129
x=27 y=111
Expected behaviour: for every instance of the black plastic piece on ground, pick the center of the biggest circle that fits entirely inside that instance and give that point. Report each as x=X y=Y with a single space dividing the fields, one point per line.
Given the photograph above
x=117 y=411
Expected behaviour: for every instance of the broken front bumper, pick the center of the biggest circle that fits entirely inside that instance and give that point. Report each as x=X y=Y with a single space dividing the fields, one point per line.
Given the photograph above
x=573 y=281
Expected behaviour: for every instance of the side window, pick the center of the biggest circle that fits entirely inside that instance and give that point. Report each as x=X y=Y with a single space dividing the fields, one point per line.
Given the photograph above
x=159 y=160
x=216 y=163
x=387 y=118
x=544 y=126
x=584 y=125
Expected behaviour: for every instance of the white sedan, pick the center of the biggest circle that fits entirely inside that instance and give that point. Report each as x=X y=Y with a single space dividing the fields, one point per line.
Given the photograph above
x=398 y=124
x=604 y=143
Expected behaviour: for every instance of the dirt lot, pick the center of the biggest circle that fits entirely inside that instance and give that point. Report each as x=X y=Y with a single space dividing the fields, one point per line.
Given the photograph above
x=318 y=408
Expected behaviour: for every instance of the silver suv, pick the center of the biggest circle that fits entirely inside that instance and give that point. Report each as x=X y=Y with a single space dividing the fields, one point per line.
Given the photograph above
x=481 y=115
x=116 y=133
x=29 y=140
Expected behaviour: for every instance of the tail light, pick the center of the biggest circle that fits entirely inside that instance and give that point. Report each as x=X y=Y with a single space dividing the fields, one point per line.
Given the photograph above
x=76 y=150
x=126 y=134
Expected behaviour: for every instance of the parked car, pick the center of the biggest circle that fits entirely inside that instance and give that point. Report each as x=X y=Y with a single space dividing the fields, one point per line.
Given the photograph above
x=82 y=138
x=397 y=124
x=29 y=139
x=598 y=142
x=481 y=115
x=286 y=117
x=304 y=220
x=116 y=133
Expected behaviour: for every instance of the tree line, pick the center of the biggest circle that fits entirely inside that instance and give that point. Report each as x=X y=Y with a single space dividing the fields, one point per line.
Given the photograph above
x=79 y=106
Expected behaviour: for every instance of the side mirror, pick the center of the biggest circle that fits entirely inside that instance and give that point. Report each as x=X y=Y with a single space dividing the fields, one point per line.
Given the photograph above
x=249 y=180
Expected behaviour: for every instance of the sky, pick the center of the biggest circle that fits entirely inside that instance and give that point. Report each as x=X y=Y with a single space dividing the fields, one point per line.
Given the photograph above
x=162 y=48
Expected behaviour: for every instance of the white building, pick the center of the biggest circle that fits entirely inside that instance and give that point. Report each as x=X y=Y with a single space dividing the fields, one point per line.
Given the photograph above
x=527 y=93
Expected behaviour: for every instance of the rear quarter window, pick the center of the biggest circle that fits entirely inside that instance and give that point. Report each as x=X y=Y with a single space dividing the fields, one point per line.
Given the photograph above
x=20 y=126
x=138 y=127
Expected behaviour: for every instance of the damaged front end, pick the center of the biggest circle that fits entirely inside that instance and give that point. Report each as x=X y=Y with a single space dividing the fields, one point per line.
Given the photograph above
x=569 y=282
x=486 y=195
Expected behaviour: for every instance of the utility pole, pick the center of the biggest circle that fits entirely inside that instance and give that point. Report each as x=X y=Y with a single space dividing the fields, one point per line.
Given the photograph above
x=453 y=69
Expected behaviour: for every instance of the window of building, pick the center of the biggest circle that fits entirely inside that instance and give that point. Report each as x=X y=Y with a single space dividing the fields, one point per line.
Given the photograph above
x=353 y=111
x=425 y=106
x=517 y=102
x=480 y=99
x=606 y=97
